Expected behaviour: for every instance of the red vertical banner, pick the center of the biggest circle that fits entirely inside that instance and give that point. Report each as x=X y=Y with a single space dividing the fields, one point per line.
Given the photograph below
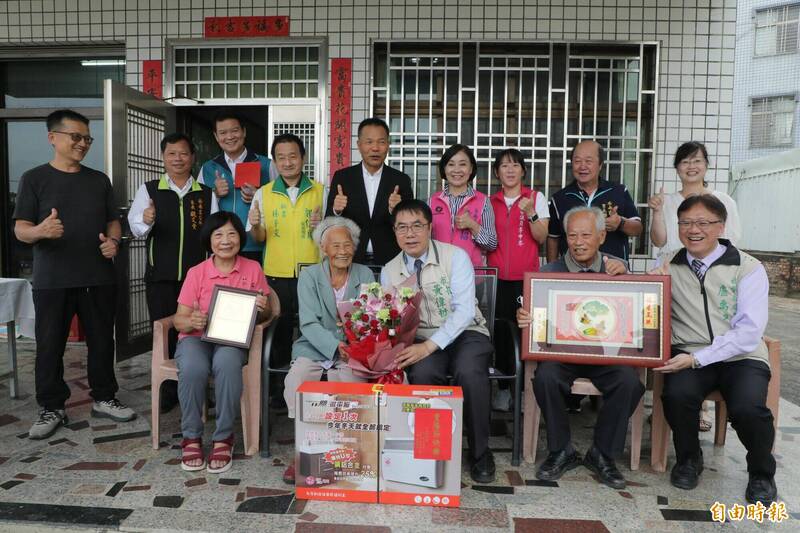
x=341 y=108
x=152 y=77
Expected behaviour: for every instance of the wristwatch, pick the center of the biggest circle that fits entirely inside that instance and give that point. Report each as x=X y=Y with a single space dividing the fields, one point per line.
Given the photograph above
x=621 y=223
x=695 y=362
x=533 y=218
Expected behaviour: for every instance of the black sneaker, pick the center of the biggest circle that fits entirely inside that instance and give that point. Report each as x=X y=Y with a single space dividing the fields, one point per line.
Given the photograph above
x=483 y=468
x=685 y=475
x=556 y=464
x=47 y=423
x=761 y=489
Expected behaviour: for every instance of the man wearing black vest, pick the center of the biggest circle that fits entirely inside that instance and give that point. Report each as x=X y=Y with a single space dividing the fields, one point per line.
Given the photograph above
x=367 y=193
x=169 y=212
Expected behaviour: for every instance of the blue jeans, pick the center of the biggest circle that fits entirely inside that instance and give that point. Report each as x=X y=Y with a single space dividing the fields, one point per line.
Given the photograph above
x=197 y=360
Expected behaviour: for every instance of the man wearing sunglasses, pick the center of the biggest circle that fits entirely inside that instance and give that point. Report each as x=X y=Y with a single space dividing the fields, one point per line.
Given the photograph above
x=67 y=212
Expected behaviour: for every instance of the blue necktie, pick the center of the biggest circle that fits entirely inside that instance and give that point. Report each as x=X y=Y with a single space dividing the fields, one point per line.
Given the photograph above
x=699 y=269
x=418 y=269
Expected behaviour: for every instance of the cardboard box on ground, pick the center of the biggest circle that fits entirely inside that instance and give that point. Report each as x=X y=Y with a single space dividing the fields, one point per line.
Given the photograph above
x=361 y=442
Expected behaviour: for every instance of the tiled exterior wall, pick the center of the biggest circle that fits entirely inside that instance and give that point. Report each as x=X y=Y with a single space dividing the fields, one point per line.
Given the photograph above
x=696 y=62
x=759 y=77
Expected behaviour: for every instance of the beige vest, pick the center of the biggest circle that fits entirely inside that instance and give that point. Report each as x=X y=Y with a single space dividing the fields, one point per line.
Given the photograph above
x=701 y=312
x=436 y=303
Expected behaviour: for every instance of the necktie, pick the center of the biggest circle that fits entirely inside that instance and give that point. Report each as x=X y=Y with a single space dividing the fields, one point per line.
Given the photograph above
x=418 y=269
x=699 y=269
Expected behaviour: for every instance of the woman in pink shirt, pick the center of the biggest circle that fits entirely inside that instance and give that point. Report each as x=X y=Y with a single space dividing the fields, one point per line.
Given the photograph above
x=223 y=235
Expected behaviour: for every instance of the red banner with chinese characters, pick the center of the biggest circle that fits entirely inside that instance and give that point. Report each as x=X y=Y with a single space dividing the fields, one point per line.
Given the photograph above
x=152 y=77
x=433 y=430
x=341 y=107
x=247 y=26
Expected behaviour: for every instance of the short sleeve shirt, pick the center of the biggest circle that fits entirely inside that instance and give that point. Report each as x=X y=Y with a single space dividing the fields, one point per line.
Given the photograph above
x=607 y=196
x=84 y=201
x=201 y=280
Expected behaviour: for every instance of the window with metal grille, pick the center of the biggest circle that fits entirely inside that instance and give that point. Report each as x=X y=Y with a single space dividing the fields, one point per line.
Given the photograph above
x=777 y=30
x=236 y=72
x=541 y=98
x=772 y=121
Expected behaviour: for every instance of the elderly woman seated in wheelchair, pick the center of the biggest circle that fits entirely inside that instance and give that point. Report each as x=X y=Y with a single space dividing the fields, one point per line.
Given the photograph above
x=196 y=359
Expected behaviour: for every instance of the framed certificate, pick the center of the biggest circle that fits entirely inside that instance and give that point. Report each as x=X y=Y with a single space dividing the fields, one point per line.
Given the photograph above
x=597 y=319
x=231 y=317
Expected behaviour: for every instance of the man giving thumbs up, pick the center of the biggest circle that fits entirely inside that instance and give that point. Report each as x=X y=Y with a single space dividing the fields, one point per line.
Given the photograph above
x=67 y=212
x=368 y=192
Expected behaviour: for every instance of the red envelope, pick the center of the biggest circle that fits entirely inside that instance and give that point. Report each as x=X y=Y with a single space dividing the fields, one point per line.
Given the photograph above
x=248 y=173
x=433 y=434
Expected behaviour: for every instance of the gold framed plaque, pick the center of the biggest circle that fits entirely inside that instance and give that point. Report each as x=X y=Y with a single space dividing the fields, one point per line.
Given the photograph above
x=589 y=318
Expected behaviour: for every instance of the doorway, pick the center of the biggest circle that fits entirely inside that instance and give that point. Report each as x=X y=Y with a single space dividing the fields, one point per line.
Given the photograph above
x=198 y=123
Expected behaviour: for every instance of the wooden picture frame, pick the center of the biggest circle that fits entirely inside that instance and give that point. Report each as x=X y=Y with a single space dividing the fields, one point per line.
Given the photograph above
x=231 y=317
x=597 y=319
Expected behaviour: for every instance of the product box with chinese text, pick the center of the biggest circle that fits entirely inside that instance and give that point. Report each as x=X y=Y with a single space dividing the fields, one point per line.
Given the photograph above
x=420 y=445
x=370 y=443
x=336 y=442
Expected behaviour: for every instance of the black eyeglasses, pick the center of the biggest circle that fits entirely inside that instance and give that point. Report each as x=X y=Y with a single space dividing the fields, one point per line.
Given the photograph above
x=702 y=224
x=76 y=137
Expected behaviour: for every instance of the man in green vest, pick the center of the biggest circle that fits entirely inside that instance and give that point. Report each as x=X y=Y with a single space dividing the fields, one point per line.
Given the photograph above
x=283 y=214
x=169 y=212
x=720 y=302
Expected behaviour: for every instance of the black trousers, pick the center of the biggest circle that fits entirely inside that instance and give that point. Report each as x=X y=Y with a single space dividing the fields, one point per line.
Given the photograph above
x=286 y=289
x=621 y=387
x=743 y=385
x=506 y=307
x=95 y=307
x=162 y=301
x=467 y=360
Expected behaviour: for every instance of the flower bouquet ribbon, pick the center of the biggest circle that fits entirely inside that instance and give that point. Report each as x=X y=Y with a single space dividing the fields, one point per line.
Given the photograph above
x=378 y=325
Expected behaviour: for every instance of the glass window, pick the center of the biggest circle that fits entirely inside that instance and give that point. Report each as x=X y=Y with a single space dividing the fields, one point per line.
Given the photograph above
x=772 y=121
x=239 y=66
x=59 y=83
x=777 y=30
x=547 y=96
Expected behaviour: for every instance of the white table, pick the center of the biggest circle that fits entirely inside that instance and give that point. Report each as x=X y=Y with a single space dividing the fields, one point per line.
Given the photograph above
x=16 y=307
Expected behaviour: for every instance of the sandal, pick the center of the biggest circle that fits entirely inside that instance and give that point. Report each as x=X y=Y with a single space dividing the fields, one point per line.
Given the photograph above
x=221 y=453
x=191 y=450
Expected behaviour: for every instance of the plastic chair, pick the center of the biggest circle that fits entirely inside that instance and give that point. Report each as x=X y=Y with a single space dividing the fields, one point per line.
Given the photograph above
x=163 y=368
x=582 y=386
x=661 y=430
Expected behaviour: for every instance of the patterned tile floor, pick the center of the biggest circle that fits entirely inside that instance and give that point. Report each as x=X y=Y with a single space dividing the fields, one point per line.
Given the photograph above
x=99 y=475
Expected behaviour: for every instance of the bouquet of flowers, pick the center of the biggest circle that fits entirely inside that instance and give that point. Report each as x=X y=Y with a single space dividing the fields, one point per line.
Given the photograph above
x=378 y=325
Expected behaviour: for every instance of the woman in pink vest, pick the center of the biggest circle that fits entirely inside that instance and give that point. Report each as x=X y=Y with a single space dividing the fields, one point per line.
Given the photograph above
x=521 y=218
x=462 y=216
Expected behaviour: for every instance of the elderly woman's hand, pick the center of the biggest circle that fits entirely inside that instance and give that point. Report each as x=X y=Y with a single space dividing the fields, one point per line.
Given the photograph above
x=343 y=357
